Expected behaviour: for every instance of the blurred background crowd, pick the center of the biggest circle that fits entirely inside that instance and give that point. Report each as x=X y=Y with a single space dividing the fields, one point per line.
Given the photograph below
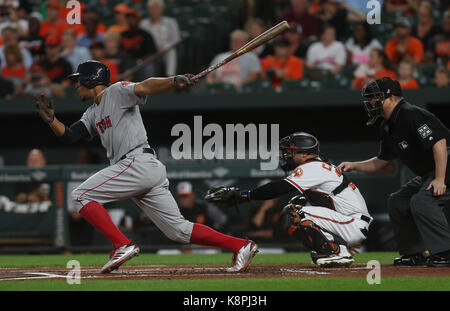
x=329 y=45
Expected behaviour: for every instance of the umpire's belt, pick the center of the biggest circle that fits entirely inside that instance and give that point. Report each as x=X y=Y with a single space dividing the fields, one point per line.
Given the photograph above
x=144 y=150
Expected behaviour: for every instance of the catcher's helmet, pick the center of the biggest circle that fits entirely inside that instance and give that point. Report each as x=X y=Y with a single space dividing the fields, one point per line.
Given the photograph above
x=299 y=142
x=92 y=73
x=375 y=92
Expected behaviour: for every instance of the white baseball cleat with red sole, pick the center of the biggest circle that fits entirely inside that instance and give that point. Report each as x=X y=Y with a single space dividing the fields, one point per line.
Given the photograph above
x=119 y=256
x=243 y=257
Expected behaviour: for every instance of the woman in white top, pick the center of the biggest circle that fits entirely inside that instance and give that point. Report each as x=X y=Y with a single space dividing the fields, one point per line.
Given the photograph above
x=360 y=45
x=165 y=31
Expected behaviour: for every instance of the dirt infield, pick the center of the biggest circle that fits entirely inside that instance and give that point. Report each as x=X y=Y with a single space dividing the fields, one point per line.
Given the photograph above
x=215 y=272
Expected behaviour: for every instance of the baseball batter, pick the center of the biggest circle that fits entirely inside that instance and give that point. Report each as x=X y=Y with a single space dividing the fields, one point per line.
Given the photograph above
x=329 y=216
x=134 y=170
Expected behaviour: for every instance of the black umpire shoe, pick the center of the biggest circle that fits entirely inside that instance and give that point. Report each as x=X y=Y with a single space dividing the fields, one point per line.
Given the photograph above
x=439 y=260
x=410 y=260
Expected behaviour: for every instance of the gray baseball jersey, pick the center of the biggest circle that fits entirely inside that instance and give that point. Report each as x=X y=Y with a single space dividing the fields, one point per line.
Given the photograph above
x=139 y=176
x=117 y=120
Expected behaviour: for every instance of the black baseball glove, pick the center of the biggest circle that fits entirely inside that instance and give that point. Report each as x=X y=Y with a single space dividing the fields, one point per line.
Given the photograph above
x=227 y=196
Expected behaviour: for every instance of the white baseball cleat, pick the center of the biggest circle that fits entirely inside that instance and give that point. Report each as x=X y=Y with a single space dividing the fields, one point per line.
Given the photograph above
x=119 y=256
x=342 y=259
x=243 y=257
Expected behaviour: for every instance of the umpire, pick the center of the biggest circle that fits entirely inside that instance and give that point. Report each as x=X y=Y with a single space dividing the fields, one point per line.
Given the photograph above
x=419 y=140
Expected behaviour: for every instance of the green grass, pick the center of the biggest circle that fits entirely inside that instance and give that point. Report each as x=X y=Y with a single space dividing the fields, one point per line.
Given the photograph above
x=23 y=261
x=235 y=284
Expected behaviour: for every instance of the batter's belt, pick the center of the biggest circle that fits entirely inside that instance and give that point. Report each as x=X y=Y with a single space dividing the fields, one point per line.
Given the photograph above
x=144 y=150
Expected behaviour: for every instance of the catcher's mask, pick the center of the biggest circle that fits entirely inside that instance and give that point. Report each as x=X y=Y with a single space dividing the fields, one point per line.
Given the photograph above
x=299 y=142
x=375 y=92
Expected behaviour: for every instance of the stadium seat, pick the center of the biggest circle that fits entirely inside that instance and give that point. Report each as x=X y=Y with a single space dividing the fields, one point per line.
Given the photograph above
x=295 y=85
x=220 y=88
x=257 y=86
x=426 y=74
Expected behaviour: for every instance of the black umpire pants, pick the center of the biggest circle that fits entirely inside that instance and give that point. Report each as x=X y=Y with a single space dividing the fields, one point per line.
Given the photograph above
x=418 y=218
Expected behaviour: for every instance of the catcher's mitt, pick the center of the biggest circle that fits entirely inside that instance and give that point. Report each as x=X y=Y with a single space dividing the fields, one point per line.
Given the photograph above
x=226 y=196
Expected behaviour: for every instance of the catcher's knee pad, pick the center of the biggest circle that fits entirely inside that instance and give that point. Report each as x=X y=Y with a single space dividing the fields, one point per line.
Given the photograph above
x=314 y=238
x=292 y=214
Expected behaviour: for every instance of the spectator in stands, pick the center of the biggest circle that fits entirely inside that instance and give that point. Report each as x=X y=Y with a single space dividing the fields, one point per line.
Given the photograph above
x=14 y=68
x=360 y=44
x=90 y=21
x=33 y=192
x=138 y=43
x=328 y=54
x=164 y=31
x=331 y=13
x=98 y=53
x=37 y=82
x=199 y=211
x=33 y=41
x=263 y=224
x=244 y=69
x=120 y=16
x=440 y=46
x=71 y=52
x=299 y=14
x=405 y=7
x=113 y=52
x=54 y=24
x=426 y=30
x=294 y=35
x=254 y=27
x=405 y=75
x=441 y=77
x=282 y=65
x=404 y=46
x=379 y=66
x=90 y=13
x=10 y=35
x=12 y=12
x=56 y=68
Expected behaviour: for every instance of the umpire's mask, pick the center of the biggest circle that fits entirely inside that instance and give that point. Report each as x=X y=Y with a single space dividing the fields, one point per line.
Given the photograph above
x=375 y=92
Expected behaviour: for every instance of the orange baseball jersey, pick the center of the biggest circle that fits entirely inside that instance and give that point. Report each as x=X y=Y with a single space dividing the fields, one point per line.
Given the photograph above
x=317 y=180
x=414 y=50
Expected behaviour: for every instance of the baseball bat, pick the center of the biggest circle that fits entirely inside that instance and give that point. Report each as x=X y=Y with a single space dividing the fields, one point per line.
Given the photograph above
x=259 y=40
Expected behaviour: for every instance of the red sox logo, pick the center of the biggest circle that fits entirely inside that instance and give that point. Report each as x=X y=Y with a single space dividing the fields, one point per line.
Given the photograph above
x=104 y=124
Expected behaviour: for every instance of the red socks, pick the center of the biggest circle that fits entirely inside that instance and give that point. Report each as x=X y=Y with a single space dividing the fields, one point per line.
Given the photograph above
x=97 y=216
x=203 y=235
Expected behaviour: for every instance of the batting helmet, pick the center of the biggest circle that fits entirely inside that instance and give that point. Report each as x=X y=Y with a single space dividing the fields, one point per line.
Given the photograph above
x=299 y=142
x=376 y=91
x=92 y=73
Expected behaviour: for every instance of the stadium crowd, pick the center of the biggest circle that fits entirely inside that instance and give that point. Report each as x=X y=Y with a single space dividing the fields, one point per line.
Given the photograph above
x=329 y=40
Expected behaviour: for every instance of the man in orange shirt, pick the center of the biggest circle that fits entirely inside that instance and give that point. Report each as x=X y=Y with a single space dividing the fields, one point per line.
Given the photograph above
x=282 y=65
x=404 y=46
x=120 y=15
x=53 y=24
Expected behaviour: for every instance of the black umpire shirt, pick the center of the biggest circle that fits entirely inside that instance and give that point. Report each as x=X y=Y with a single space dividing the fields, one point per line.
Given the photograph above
x=409 y=135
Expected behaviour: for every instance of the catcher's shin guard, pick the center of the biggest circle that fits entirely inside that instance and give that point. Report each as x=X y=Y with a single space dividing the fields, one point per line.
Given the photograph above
x=314 y=238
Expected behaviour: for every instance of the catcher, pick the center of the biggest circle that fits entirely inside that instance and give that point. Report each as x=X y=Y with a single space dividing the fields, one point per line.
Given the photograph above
x=329 y=216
